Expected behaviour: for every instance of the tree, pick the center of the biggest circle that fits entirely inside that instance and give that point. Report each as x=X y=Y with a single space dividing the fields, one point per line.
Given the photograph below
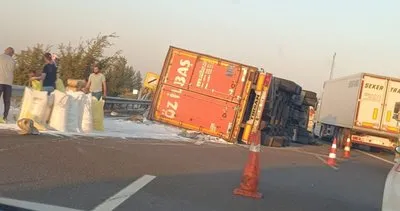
x=119 y=76
x=77 y=62
x=137 y=80
x=29 y=60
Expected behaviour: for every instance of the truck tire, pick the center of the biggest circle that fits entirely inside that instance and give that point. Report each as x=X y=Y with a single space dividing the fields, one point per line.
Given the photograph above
x=289 y=86
x=309 y=94
x=347 y=134
x=339 y=134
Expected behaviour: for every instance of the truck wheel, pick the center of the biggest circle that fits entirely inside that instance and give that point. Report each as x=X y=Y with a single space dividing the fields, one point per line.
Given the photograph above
x=338 y=134
x=346 y=134
x=341 y=138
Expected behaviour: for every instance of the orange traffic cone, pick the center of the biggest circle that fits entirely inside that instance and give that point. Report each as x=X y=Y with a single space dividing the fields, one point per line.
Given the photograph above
x=332 y=154
x=347 y=149
x=249 y=184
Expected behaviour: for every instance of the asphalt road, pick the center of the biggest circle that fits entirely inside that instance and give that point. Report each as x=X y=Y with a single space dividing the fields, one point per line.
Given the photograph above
x=83 y=173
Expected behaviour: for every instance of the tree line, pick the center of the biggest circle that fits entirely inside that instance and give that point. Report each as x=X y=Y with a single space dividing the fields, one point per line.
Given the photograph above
x=75 y=62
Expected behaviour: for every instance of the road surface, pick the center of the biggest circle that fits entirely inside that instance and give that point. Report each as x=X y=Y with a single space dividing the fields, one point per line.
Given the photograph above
x=113 y=174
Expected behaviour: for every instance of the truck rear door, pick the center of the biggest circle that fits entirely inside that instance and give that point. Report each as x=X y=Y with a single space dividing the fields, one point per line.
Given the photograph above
x=392 y=96
x=371 y=101
x=202 y=93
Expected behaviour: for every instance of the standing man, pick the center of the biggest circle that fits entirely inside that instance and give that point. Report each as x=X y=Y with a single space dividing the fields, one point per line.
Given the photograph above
x=49 y=74
x=7 y=67
x=97 y=83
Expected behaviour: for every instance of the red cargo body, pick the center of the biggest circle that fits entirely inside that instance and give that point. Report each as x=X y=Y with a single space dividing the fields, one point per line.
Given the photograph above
x=202 y=93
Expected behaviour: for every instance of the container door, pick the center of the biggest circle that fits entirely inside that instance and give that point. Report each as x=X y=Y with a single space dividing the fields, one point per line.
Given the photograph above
x=202 y=93
x=195 y=111
x=392 y=96
x=206 y=75
x=219 y=79
x=370 y=105
x=180 y=69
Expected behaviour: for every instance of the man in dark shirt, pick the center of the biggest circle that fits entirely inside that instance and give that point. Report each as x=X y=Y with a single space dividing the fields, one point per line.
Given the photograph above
x=49 y=74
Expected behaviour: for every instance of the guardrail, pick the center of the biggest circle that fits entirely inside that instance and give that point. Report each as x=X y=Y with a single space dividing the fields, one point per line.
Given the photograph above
x=18 y=91
x=120 y=100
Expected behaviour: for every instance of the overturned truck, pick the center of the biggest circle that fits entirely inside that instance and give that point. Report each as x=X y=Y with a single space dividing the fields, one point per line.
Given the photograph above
x=210 y=95
x=287 y=113
x=227 y=99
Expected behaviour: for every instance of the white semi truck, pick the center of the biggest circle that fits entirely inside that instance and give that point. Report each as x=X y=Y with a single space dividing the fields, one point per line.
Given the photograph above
x=359 y=106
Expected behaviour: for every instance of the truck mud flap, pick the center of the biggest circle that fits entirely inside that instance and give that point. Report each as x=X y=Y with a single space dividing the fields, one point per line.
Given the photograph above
x=274 y=141
x=278 y=141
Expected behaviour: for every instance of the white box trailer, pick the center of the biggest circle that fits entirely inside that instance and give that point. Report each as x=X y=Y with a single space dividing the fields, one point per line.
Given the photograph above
x=360 y=107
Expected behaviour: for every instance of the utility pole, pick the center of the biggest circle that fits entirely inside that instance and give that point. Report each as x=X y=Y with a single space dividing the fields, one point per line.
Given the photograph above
x=333 y=66
x=317 y=116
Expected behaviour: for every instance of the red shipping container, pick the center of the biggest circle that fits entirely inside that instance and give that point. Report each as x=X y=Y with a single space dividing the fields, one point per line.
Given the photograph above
x=202 y=93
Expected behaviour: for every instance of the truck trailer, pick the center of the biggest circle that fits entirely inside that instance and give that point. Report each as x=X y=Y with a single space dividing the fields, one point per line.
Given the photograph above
x=359 y=107
x=211 y=95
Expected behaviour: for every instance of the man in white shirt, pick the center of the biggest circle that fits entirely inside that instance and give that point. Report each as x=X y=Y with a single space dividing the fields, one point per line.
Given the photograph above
x=7 y=67
x=97 y=83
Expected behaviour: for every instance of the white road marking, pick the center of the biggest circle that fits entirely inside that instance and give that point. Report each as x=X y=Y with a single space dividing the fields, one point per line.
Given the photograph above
x=377 y=157
x=317 y=154
x=33 y=205
x=321 y=159
x=114 y=201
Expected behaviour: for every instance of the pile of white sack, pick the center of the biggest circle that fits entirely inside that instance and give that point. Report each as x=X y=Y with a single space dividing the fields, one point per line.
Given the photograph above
x=66 y=112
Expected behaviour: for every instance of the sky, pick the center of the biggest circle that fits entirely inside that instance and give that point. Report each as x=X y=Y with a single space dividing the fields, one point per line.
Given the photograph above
x=292 y=39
